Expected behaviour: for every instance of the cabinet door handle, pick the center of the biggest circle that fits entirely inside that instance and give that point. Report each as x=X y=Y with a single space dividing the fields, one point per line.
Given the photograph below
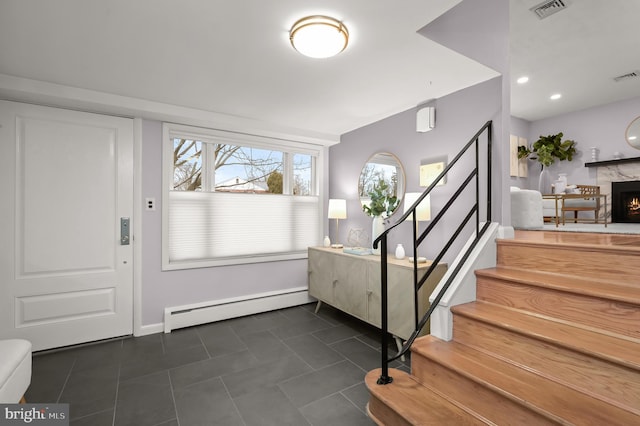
x=335 y=282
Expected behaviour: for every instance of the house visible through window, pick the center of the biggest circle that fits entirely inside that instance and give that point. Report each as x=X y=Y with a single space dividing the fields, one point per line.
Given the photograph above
x=235 y=198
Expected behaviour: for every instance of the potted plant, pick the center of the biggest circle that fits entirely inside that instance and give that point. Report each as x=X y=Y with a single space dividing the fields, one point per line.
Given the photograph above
x=382 y=204
x=546 y=150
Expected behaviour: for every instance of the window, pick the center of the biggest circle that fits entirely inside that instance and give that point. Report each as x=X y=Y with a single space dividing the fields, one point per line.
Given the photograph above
x=236 y=198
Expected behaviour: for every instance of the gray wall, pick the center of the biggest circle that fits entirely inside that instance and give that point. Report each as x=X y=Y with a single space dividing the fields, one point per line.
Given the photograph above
x=173 y=288
x=520 y=128
x=479 y=30
x=602 y=127
x=458 y=117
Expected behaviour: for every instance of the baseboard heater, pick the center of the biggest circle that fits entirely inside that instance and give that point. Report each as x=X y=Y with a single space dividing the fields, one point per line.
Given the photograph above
x=202 y=313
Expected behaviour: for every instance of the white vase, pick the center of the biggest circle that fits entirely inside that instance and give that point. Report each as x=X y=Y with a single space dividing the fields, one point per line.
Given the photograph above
x=561 y=183
x=377 y=228
x=400 y=251
x=544 y=183
x=327 y=241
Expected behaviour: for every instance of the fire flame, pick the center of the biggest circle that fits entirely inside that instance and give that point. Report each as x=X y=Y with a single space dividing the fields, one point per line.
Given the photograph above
x=634 y=204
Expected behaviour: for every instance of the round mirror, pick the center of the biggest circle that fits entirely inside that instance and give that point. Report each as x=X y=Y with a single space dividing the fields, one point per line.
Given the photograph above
x=381 y=185
x=633 y=133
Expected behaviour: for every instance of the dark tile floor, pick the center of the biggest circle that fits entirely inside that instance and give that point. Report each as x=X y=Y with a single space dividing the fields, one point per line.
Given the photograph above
x=286 y=367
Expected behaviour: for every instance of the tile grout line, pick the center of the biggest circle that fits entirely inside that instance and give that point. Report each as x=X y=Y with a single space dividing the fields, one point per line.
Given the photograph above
x=298 y=409
x=64 y=385
x=115 y=403
x=173 y=398
x=352 y=402
x=226 y=389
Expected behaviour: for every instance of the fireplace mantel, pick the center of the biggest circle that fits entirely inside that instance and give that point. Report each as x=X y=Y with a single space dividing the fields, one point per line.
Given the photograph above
x=612 y=162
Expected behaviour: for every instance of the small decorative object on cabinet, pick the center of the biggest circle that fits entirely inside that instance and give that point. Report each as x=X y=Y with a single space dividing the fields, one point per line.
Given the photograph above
x=351 y=283
x=400 y=252
x=327 y=241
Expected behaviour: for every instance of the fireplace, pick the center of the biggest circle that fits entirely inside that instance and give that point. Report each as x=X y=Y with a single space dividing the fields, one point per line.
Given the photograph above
x=625 y=201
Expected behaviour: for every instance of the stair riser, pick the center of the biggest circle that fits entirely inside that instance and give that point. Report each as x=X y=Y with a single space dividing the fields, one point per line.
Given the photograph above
x=383 y=414
x=482 y=400
x=604 y=380
x=591 y=312
x=614 y=265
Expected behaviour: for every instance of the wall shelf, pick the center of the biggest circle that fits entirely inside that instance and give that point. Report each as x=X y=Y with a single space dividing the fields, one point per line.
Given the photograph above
x=612 y=162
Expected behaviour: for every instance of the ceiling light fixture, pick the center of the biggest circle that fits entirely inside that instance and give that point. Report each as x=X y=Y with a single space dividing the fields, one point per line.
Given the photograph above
x=555 y=96
x=319 y=36
x=522 y=80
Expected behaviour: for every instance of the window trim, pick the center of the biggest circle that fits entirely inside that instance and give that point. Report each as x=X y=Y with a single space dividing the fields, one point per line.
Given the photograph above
x=288 y=147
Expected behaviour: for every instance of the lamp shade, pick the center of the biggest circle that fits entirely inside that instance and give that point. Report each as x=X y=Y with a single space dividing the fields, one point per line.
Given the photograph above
x=319 y=36
x=337 y=209
x=423 y=211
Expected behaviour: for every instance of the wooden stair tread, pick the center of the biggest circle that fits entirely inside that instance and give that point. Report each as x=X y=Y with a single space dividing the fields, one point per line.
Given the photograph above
x=407 y=396
x=541 y=395
x=600 y=241
x=614 y=349
x=590 y=287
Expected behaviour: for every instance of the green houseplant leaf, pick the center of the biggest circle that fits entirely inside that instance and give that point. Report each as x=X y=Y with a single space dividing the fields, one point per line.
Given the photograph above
x=548 y=149
x=383 y=201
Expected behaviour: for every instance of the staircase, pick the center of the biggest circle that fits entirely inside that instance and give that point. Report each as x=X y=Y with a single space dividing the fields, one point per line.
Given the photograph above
x=552 y=338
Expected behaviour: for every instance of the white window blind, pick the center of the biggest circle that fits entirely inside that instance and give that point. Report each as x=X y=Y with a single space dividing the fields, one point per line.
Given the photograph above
x=205 y=226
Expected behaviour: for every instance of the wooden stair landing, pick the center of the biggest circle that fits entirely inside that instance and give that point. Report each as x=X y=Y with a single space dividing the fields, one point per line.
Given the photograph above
x=552 y=338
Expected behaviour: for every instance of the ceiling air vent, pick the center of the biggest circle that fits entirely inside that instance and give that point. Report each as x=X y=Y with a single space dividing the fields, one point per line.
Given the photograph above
x=627 y=76
x=548 y=8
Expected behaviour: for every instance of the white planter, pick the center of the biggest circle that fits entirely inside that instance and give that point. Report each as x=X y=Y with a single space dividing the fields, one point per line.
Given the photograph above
x=544 y=183
x=377 y=228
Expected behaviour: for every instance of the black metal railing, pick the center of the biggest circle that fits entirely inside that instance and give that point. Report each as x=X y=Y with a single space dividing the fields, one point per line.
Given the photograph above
x=418 y=239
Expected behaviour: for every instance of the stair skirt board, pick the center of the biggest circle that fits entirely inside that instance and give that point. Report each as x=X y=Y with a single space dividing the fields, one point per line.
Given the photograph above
x=201 y=313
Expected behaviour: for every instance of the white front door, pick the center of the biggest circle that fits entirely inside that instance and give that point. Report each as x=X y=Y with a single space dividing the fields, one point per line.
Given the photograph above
x=66 y=180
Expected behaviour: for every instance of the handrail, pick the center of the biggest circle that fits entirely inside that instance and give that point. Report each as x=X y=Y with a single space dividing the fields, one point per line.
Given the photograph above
x=418 y=239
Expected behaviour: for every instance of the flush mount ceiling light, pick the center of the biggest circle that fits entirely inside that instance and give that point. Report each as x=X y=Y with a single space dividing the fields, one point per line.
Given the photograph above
x=319 y=36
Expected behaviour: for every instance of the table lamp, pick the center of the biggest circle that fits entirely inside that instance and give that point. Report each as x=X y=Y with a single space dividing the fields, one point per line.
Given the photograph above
x=337 y=211
x=423 y=213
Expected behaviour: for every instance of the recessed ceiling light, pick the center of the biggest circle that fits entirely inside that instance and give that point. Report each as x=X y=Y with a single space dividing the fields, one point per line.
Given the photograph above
x=633 y=138
x=319 y=36
x=555 y=96
x=522 y=80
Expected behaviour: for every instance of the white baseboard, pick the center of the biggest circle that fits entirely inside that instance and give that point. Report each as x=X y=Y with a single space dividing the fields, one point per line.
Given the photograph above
x=189 y=315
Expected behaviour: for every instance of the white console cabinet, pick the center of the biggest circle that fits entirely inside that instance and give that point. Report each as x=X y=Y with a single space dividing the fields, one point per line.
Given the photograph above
x=351 y=283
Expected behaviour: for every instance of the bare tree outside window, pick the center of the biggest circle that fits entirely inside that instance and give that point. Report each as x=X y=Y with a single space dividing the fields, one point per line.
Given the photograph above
x=237 y=169
x=187 y=165
x=302 y=174
x=372 y=174
x=247 y=170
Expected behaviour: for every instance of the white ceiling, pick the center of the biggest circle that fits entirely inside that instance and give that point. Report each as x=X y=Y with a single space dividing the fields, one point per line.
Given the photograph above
x=234 y=57
x=576 y=52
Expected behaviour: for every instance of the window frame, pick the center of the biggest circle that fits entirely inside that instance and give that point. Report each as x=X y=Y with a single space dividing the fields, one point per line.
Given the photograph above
x=288 y=147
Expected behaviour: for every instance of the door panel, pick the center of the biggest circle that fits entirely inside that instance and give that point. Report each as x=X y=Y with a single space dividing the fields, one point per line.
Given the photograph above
x=67 y=180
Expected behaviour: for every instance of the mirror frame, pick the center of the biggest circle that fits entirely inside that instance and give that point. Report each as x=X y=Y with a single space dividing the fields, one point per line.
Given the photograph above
x=632 y=134
x=385 y=159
